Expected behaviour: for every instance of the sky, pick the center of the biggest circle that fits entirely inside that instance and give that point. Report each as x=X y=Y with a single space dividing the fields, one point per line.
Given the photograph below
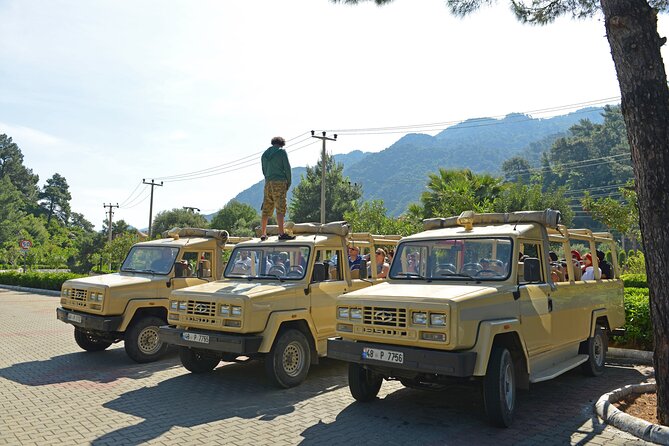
x=109 y=93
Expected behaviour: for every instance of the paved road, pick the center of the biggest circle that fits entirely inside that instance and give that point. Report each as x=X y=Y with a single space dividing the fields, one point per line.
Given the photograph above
x=53 y=393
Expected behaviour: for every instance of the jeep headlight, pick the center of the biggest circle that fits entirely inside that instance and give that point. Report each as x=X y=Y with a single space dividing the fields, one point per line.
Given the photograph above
x=437 y=319
x=356 y=313
x=236 y=311
x=183 y=306
x=343 y=312
x=95 y=296
x=419 y=318
x=174 y=305
x=225 y=310
x=66 y=292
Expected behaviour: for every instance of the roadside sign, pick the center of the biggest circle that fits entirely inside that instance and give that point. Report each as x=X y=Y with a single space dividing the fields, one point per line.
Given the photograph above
x=25 y=244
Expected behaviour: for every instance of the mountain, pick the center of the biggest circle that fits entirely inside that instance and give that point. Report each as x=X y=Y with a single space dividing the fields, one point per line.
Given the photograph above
x=399 y=173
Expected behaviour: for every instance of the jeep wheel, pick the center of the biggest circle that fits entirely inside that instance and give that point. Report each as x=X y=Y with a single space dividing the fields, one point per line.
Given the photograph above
x=142 y=343
x=197 y=361
x=90 y=342
x=363 y=384
x=499 y=388
x=595 y=347
x=287 y=364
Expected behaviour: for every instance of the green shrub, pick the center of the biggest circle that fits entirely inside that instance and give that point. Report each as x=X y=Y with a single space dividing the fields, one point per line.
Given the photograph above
x=608 y=256
x=634 y=281
x=622 y=258
x=636 y=264
x=638 y=330
x=45 y=281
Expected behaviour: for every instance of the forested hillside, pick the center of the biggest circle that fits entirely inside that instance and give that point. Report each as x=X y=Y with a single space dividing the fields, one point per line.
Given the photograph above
x=398 y=174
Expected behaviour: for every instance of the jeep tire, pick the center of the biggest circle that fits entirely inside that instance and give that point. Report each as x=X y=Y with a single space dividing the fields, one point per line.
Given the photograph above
x=363 y=383
x=90 y=342
x=499 y=388
x=142 y=342
x=287 y=364
x=197 y=361
x=595 y=347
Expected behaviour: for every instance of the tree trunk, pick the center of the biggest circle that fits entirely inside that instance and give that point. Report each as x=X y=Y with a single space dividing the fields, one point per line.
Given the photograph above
x=631 y=28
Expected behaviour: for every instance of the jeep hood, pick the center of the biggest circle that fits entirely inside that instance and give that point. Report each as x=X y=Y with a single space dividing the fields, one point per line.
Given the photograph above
x=107 y=281
x=237 y=288
x=400 y=292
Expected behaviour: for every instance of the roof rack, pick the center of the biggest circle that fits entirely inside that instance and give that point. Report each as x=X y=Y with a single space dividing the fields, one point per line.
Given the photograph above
x=219 y=234
x=336 y=227
x=549 y=218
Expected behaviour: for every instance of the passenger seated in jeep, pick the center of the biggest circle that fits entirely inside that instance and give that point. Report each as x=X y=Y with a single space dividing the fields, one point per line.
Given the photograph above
x=607 y=270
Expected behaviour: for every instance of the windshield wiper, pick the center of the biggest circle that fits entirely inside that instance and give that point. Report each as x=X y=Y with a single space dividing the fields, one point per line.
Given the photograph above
x=411 y=275
x=467 y=276
x=267 y=276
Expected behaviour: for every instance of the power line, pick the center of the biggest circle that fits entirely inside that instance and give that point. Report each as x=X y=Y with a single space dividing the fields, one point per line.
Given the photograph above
x=131 y=194
x=224 y=166
x=450 y=123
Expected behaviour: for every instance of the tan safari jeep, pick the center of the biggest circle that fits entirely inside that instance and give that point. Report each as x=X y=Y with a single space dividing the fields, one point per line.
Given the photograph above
x=276 y=301
x=130 y=305
x=477 y=298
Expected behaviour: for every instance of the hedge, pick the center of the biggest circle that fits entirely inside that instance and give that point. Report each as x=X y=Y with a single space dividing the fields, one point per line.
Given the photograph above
x=638 y=329
x=45 y=281
x=634 y=280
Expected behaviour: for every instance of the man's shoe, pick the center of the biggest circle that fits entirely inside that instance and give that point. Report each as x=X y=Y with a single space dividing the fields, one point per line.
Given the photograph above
x=263 y=238
x=286 y=237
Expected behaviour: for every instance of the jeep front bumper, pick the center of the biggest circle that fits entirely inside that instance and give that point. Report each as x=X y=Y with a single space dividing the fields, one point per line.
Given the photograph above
x=241 y=344
x=460 y=364
x=89 y=321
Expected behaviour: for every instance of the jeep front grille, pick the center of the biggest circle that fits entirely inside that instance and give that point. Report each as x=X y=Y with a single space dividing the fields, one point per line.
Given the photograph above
x=79 y=294
x=385 y=316
x=201 y=308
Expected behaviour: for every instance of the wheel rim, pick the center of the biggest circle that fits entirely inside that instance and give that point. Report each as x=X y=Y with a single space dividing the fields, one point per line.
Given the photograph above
x=598 y=350
x=293 y=359
x=148 y=341
x=508 y=385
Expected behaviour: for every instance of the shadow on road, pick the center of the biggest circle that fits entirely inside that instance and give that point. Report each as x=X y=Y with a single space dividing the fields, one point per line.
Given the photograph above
x=99 y=367
x=549 y=413
x=232 y=390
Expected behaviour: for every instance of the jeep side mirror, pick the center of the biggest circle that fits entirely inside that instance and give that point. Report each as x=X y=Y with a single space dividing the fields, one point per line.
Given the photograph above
x=319 y=272
x=532 y=269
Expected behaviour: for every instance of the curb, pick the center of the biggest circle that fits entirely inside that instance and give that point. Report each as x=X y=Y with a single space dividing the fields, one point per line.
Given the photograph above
x=31 y=290
x=638 y=356
x=635 y=426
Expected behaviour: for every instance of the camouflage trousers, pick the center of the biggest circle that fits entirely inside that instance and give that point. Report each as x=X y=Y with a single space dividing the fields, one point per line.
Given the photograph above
x=274 y=198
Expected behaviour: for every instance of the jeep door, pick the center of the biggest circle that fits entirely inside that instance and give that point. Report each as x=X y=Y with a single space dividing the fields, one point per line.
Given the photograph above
x=185 y=269
x=323 y=290
x=535 y=304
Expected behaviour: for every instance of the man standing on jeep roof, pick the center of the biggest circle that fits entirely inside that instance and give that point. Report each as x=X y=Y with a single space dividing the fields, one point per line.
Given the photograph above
x=276 y=169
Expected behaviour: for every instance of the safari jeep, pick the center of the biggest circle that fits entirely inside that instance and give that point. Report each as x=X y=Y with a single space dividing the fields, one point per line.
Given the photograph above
x=477 y=298
x=276 y=302
x=130 y=305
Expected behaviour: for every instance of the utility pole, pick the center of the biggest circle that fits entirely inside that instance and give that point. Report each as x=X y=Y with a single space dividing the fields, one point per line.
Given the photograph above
x=109 y=224
x=152 y=184
x=191 y=209
x=323 y=138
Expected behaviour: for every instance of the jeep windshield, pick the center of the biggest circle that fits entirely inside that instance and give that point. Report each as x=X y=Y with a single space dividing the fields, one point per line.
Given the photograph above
x=479 y=259
x=268 y=262
x=150 y=259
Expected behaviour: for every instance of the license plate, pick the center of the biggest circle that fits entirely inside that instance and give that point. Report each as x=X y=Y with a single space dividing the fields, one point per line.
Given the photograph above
x=196 y=337
x=383 y=355
x=74 y=317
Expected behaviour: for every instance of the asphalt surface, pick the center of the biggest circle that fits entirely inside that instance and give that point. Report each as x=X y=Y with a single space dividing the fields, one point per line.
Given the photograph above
x=53 y=393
